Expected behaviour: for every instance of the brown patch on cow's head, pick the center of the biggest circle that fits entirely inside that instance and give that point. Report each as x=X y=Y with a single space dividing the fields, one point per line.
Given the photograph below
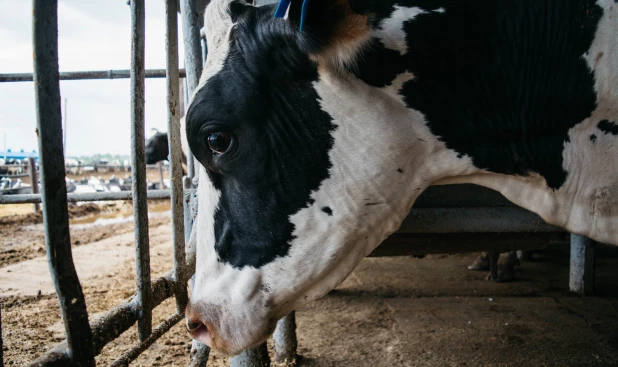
x=333 y=33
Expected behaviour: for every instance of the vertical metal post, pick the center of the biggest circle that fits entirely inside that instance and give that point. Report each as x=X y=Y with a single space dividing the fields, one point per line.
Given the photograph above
x=54 y=191
x=34 y=181
x=2 y=342
x=256 y=357
x=581 y=277
x=173 y=126
x=285 y=339
x=160 y=168
x=138 y=171
x=199 y=355
x=193 y=58
x=66 y=121
x=193 y=65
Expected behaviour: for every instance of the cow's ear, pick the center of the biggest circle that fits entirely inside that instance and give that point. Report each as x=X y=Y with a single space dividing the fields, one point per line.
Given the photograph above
x=237 y=9
x=328 y=29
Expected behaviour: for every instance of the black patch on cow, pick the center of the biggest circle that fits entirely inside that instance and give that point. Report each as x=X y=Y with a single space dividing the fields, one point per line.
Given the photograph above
x=327 y=210
x=157 y=148
x=281 y=138
x=608 y=127
x=593 y=138
x=399 y=170
x=499 y=81
x=379 y=65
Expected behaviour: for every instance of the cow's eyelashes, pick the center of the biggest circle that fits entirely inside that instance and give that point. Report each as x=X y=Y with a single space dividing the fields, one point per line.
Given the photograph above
x=219 y=142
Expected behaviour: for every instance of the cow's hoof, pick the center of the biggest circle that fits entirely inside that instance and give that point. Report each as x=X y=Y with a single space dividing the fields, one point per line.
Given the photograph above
x=496 y=279
x=481 y=263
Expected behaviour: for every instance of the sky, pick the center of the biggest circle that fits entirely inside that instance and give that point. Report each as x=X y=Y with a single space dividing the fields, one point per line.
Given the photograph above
x=93 y=35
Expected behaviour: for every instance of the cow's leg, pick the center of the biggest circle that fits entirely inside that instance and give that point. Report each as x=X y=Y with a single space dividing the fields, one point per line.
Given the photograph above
x=524 y=255
x=507 y=264
x=480 y=263
x=493 y=266
x=285 y=340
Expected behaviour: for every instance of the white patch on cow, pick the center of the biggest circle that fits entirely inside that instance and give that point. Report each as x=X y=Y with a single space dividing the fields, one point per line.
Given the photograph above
x=439 y=10
x=378 y=171
x=391 y=31
x=394 y=88
x=218 y=23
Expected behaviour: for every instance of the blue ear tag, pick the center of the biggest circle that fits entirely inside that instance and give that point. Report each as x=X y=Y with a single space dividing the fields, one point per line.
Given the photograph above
x=303 y=13
x=283 y=6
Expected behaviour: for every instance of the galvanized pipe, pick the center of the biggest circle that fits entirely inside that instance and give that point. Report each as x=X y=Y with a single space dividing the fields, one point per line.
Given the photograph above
x=256 y=357
x=54 y=193
x=161 y=329
x=174 y=139
x=193 y=59
x=581 y=275
x=112 y=324
x=285 y=340
x=34 y=180
x=92 y=196
x=85 y=75
x=138 y=172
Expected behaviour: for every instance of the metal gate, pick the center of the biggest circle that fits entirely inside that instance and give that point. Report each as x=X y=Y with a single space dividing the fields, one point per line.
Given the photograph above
x=84 y=339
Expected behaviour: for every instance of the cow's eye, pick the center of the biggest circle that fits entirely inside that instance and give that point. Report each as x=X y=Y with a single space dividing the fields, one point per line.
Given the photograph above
x=219 y=142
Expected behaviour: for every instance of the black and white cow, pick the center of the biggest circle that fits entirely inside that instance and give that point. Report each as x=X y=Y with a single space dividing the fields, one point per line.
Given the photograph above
x=157 y=148
x=315 y=143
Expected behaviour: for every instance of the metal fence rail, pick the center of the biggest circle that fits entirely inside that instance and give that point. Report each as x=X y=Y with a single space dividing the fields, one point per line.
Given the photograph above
x=89 y=74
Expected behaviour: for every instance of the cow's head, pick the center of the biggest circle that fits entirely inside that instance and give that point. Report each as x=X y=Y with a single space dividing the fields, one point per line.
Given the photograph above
x=157 y=148
x=292 y=193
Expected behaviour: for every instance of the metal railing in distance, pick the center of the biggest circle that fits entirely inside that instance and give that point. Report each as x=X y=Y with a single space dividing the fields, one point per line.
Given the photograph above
x=138 y=172
x=91 y=196
x=54 y=194
x=86 y=75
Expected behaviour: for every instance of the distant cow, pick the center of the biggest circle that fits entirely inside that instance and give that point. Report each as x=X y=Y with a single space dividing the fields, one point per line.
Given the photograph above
x=315 y=143
x=157 y=148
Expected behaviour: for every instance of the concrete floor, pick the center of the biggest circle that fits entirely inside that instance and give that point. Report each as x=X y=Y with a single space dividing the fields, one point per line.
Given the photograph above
x=435 y=312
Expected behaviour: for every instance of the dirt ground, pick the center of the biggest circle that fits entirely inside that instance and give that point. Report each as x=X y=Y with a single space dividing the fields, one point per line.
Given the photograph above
x=389 y=312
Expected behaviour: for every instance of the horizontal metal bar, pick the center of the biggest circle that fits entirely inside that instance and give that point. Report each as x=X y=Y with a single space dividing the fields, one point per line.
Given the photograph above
x=93 y=196
x=19 y=175
x=420 y=244
x=479 y=219
x=13 y=165
x=158 y=331
x=112 y=324
x=85 y=75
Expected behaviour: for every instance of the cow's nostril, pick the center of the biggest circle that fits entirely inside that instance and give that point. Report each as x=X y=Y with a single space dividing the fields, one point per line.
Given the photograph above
x=193 y=325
